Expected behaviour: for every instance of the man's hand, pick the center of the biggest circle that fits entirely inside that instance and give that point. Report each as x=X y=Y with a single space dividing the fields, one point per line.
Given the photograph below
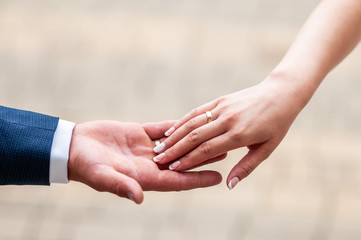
x=117 y=157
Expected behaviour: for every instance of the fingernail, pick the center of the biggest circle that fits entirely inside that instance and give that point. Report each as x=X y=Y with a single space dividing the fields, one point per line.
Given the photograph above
x=159 y=157
x=174 y=165
x=130 y=196
x=233 y=183
x=159 y=148
x=169 y=132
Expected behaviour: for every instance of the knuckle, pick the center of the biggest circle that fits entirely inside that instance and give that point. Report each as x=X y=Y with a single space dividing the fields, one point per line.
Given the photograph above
x=231 y=117
x=193 y=137
x=180 y=183
x=185 y=160
x=245 y=170
x=193 y=112
x=171 y=153
x=223 y=102
x=205 y=148
x=191 y=124
x=117 y=189
x=221 y=99
x=237 y=136
x=170 y=141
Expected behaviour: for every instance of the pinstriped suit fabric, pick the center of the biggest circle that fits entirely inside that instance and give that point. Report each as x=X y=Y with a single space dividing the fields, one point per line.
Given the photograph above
x=25 y=145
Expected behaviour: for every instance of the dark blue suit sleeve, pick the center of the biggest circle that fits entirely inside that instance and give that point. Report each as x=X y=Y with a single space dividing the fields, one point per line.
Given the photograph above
x=25 y=145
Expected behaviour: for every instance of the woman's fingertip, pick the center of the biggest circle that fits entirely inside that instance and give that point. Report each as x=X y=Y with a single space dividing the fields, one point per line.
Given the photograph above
x=159 y=147
x=158 y=158
x=174 y=165
x=169 y=132
x=233 y=183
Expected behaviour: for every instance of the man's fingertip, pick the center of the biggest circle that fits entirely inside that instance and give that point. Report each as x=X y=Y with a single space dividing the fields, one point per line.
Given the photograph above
x=220 y=178
x=130 y=196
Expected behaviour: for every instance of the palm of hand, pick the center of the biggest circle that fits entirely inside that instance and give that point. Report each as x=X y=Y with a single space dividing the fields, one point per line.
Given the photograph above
x=117 y=157
x=123 y=147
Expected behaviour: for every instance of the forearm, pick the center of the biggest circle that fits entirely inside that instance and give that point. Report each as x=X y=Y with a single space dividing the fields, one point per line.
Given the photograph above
x=259 y=117
x=25 y=146
x=328 y=36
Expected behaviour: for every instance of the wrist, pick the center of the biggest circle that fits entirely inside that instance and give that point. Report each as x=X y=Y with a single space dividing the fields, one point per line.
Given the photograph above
x=298 y=87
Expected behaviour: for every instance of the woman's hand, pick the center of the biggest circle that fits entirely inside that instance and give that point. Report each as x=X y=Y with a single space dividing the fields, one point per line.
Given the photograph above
x=258 y=118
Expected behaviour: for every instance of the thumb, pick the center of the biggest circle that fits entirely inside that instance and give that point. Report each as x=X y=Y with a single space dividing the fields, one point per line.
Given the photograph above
x=248 y=163
x=106 y=179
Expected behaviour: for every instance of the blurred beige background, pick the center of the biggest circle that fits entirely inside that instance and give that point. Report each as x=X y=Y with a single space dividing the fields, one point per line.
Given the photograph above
x=153 y=60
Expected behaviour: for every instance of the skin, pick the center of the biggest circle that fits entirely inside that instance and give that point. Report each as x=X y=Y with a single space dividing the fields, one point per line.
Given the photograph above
x=259 y=117
x=115 y=157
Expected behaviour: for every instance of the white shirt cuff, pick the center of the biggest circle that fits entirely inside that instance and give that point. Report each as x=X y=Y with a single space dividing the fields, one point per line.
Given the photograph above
x=59 y=155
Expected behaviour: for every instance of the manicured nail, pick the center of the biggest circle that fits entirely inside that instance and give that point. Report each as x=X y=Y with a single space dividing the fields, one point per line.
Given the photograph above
x=169 y=132
x=174 y=165
x=159 y=157
x=159 y=148
x=233 y=183
x=130 y=196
